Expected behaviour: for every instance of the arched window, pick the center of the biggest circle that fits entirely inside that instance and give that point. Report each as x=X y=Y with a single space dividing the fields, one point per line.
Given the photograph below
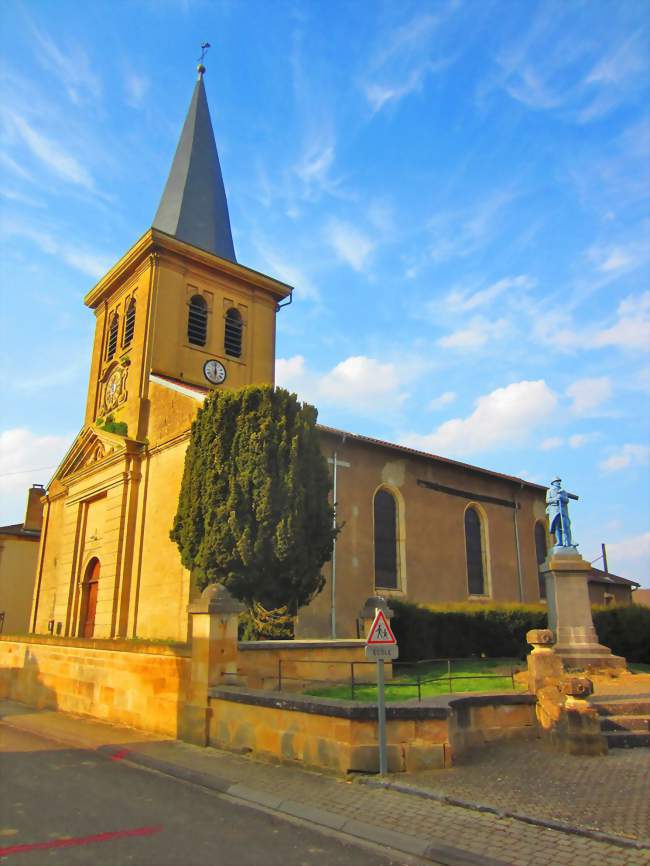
x=197 y=321
x=233 y=333
x=129 y=323
x=540 y=551
x=111 y=347
x=474 y=549
x=385 y=512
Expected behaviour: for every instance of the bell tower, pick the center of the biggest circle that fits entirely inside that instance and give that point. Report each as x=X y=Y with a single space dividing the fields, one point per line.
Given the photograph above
x=178 y=310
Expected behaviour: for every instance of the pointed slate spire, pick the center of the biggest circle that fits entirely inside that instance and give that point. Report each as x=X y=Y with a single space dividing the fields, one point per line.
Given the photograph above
x=193 y=207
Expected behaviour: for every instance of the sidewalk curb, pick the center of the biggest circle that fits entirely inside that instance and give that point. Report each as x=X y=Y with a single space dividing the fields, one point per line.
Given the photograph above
x=549 y=824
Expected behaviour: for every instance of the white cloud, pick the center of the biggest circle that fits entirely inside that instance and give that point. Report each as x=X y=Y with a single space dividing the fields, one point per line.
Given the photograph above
x=628 y=456
x=52 y=155
x=443 y=400
x=349 y=243
x=479 y=331
x=551 y=443
x=587 y=394
x=578 y=440
x=505 y=417
x=630 y=557
x=22 y=452
x=463 y=301
x=463 y=232
x=632 y=330
x=613 y=258
x=358 y=383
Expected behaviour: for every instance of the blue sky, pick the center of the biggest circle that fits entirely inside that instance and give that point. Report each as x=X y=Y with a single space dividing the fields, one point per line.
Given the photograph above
x=458 y=192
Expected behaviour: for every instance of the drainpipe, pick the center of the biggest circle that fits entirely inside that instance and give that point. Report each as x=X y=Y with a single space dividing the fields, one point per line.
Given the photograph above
x=333 y=602
x=519 y=575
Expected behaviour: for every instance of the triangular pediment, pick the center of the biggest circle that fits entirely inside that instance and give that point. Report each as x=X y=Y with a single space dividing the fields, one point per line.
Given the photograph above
x=93 y=446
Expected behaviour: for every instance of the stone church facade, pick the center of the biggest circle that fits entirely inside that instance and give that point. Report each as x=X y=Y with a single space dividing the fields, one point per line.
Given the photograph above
x=176 y=317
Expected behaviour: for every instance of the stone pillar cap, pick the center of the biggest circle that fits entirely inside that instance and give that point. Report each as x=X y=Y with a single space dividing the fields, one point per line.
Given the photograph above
x=371 y=604
x=215 y=598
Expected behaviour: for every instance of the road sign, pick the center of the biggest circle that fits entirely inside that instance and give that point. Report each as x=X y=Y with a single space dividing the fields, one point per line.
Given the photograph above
x=381 y=645
x=380 y=631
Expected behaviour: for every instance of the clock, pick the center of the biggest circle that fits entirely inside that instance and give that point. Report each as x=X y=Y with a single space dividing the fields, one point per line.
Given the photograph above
x=113 y=389
x=214 y=372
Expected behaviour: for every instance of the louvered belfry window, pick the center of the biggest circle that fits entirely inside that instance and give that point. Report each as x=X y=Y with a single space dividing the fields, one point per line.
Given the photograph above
x=474 y=549
x=385 y=510
x=129 y=323
x=232 y=337
x=540 y=550
x=111 y=348
x=197 y=321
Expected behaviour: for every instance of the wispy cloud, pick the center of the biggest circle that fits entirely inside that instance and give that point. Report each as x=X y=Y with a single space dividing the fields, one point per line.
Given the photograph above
x=476 y=334
x=444 y=399
x=462 y=233
x=136 y=87
x=350 y=244
x=90 y=262
x=287 y=270
x=51 y=154
x=588 y=394
x=25 y=458
x=631 y=331
x=71 y=65
x=462 y=300
x=629 y=455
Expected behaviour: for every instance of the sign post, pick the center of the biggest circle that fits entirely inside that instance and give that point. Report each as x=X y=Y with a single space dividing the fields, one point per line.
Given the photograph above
x=382 y=646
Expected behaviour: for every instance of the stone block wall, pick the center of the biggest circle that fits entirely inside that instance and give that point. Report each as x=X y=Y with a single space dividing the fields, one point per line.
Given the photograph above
x=140 y=685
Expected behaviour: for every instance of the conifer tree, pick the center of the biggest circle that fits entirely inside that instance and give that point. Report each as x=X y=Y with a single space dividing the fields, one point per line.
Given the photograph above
x=253 y=511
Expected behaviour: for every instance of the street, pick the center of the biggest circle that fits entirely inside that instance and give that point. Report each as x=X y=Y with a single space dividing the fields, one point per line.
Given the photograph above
x=61 y=805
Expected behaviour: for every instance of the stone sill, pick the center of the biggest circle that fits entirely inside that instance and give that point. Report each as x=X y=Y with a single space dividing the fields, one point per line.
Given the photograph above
x=365 y=710
x=112 y=644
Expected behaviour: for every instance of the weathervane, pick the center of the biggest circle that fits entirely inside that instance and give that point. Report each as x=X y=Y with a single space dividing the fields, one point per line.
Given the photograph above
x=204 y=51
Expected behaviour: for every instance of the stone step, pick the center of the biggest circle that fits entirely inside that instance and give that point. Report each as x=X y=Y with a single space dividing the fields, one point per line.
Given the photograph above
x=625 y=723
x=631 y=707
x=627 y=739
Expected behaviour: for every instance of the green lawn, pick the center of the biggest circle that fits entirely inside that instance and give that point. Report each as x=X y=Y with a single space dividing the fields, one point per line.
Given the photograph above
x=468 y=675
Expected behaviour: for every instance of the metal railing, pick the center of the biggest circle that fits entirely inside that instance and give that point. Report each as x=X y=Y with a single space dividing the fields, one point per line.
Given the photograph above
x=421 y=675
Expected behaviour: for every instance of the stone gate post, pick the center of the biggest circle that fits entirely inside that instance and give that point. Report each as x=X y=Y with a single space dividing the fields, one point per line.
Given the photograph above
x=214 y=620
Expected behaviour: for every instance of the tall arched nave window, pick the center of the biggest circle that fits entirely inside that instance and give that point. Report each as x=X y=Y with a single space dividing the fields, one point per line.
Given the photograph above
x=386 y=544
x=475 y=550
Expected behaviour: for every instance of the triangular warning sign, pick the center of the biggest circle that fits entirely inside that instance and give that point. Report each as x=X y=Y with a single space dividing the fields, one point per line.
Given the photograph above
x=381 y=632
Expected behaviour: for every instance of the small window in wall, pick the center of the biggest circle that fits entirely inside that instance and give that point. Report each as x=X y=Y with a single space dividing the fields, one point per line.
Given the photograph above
x=474 y=550
x=540 y=551
x=197 y=321
x=385 y=511
x=111 y=347
x=129 y=323
x=233 y=333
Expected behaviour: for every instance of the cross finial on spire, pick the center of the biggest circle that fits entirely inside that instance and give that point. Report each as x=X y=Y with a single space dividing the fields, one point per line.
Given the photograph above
x=204 y=51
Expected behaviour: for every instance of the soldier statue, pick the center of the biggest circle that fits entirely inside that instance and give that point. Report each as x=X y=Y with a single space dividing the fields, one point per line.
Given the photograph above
x=557 y=508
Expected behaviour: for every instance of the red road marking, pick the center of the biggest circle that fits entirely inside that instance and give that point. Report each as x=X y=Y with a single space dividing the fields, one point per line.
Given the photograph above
x=119 y=755
x=80 y=840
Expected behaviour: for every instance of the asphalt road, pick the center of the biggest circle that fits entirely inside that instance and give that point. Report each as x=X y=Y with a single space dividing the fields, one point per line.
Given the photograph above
x=70 y=806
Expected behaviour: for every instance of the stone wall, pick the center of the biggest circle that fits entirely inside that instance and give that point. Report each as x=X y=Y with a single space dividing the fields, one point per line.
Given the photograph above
x=137 y=684
x=341 y=736
x=302 y=662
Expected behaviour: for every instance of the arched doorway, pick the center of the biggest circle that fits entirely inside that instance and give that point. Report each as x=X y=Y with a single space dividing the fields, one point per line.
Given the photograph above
x=89 y=599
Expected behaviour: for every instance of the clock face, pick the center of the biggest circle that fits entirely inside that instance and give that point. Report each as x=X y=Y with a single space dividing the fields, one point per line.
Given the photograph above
x=214 y=372
x=113 y=388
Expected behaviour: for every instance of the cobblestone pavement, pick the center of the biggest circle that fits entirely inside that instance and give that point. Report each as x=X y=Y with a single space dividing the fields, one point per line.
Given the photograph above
x=610 y=794
x=456 y=835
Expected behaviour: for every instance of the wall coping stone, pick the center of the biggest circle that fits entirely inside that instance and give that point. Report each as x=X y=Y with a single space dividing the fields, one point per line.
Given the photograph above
x=111 y=644
x=352 y=643
x=363 y=710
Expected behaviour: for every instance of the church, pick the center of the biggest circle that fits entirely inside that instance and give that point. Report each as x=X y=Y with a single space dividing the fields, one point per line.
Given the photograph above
x=177 y=317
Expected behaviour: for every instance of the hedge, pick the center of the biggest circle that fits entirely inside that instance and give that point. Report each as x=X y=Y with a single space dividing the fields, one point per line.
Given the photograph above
x=464 y=630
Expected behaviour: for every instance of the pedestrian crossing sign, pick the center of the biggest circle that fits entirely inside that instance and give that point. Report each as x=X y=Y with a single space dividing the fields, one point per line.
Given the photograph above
x=381 y=632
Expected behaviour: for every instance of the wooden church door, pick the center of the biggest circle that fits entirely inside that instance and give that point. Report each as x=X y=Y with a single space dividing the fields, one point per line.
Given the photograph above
x=91 y=585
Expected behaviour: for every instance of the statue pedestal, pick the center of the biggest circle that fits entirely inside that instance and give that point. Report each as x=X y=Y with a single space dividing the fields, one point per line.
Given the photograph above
x=569 y=612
